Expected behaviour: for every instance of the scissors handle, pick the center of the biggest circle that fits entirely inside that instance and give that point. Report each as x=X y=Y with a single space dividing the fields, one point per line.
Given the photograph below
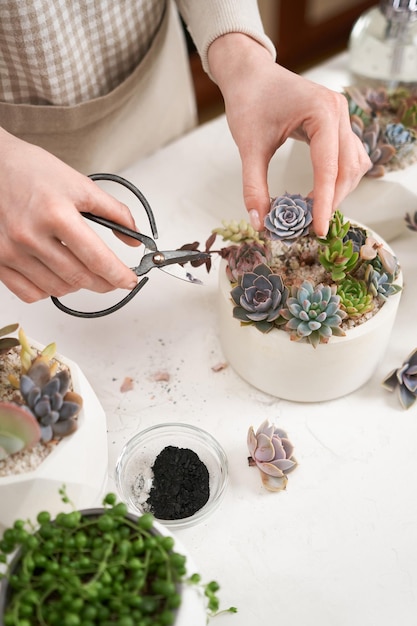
x=136 y=192
x=103 y=312
x=148 y=241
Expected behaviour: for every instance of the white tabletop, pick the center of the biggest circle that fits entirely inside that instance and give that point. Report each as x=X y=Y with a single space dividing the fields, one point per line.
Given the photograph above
x=339 y=547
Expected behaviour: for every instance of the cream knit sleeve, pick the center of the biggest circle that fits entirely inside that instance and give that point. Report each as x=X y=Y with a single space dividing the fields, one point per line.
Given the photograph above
x=208 y=19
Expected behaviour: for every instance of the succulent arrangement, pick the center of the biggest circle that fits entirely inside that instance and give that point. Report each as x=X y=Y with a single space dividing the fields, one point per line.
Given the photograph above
x=386 y=123
x=272 y=453
x=95 y=567
x=42 y=406
x=404 y=379
x=286 y=278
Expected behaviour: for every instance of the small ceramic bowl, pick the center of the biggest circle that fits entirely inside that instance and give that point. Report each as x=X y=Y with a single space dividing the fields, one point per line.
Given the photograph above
x=134 y=474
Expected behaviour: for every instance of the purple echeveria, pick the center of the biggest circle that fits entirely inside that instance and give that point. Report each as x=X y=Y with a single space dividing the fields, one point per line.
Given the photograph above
x=244 y=258
x=272 y=452
x=405 y=378
x=259 y=296
x=290 y=217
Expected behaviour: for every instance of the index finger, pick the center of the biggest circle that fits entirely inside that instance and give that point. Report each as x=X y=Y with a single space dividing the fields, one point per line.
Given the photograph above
x=324 y=151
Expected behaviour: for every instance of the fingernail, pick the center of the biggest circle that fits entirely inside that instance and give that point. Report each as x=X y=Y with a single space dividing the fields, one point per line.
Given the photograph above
x=255 y=219
x=133 y=284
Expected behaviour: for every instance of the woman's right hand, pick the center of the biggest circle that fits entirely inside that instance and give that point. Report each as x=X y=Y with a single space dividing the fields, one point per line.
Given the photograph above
x=46 y=247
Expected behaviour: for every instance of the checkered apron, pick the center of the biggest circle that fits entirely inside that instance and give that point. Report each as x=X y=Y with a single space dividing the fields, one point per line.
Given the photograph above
x=90 y=130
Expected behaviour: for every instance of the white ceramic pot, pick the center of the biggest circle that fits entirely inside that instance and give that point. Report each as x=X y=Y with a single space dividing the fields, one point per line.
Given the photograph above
x=381 y=203
x=296 y=371
x=79 y=462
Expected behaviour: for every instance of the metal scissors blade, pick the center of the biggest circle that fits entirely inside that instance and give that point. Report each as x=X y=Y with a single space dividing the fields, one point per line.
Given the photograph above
x=163 y=258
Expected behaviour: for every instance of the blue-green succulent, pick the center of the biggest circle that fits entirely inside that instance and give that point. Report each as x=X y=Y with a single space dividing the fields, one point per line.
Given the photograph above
x=313 y=313
x=399 y=136
x=380 y=283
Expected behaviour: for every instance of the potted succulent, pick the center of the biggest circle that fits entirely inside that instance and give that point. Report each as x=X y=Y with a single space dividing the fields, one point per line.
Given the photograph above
x=99 y=566
x=386 y=123
x=49 y=421
x=304 y=318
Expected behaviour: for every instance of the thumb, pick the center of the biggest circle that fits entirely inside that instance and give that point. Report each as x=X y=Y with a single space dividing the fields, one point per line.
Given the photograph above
x=255 y=188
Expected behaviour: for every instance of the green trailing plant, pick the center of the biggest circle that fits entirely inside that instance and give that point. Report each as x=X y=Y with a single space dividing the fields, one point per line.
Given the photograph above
x=95 y=567
x=287 y=278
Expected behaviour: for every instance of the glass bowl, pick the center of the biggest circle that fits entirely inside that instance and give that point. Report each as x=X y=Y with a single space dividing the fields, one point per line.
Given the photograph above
x=134 y=474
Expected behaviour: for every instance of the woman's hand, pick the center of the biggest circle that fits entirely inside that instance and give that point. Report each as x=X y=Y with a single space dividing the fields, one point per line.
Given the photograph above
x=46 y=246
x=265 y=105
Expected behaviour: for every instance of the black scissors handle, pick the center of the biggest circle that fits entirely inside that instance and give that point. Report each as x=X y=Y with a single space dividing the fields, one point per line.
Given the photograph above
x=136 y=192
x=148 y=241
x=103 y=312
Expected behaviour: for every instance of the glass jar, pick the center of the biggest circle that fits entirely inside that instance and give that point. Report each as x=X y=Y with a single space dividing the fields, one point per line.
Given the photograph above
x=383 y=45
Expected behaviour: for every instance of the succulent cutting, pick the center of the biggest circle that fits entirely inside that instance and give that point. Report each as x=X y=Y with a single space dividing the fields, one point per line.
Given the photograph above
x=272 y=453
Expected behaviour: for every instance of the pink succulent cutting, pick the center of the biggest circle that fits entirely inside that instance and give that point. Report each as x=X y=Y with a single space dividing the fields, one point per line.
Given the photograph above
x=272 y=452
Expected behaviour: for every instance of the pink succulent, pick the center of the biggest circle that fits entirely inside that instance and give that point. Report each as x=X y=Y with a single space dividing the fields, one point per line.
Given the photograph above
x=271 y=451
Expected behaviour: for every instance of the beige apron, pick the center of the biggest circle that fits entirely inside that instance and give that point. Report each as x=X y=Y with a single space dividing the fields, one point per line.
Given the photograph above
x=153 y=106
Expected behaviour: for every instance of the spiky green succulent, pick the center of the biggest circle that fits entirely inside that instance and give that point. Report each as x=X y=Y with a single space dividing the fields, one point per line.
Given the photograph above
x=337 y=253
x=313 y=313
x=354 y=297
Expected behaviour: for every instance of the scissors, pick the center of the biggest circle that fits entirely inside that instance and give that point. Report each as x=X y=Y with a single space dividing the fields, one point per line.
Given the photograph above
x=151 y=259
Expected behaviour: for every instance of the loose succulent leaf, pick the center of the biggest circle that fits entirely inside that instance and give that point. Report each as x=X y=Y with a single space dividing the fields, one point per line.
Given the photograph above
x=6 y=343
x=11 y=328
x=18 y=428
x=274 y=483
